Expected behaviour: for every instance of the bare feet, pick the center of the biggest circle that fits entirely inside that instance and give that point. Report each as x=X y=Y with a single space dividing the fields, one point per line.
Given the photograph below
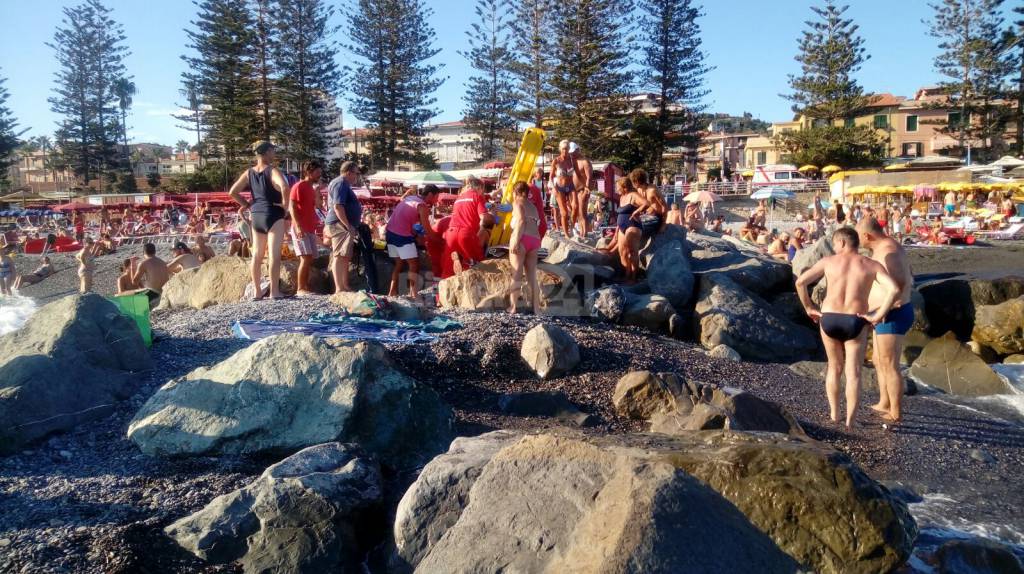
x=880 y=409
x=456 y=263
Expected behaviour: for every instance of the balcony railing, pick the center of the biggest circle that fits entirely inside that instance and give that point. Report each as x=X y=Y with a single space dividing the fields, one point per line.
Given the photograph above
x=745 y=188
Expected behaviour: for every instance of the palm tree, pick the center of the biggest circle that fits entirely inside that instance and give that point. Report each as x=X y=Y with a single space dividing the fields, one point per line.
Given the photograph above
x=124 y=89
x=181 y=146
x=46 y=144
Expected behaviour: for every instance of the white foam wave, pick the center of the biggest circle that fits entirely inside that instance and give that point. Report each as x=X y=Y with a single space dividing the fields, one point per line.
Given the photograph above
x=1014 y=376
x=937 y=516
x=14 y=311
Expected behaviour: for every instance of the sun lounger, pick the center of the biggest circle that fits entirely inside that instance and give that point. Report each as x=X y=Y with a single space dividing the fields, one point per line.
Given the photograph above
x=1015 y=231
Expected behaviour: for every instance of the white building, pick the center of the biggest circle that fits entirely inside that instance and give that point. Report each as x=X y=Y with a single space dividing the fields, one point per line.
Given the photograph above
x=177 y=164
x=451 y=144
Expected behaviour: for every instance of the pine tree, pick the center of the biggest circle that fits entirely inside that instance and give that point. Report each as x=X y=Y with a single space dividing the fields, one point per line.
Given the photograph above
x=1014 y=51
x=673 y=68
x=969 y=33
x=89 y=48
x=490 y=97
x=392 y=83
x=830 y=54
x=264 y=39
x=8 y=138
x=310 y=79
x=221 y=74
x=531 y=62
x=590 y=81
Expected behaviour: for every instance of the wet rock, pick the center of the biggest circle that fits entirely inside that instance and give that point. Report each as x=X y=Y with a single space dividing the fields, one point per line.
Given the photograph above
x=553 y=404
x=640 y=394
x=550 y=351
x=563 y=251
x=460 y=514
x=649 y=311
x=1000 y=327
x=948 y=365
x=725 y=352
x=71 y=362
x=951 y=304
x=291 y=391
x=302 y=514
x=986 y=354
x=727 y=314
x=977 y=556
x=982 y=456
x=913 y=343
x=669 y=275
x=607 y=303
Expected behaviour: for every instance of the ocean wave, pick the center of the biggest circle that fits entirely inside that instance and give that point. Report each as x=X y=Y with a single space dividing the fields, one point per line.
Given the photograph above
x=936 y=515
x=14 y=311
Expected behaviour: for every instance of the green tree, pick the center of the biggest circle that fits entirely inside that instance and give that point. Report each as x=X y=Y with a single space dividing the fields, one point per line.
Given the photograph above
x=181 y=146
x=531 y=59
x=673 y=68
x=221 y=75
x=126 y=183
x=858 y=146
x=90 y=52
x=393 y=84
x=124 y=89
x=969 y=34
x=830 y=53
x=590 y=91
x=264 y=40
x=310 y=79
x=193 y=119
x=1014 y=51
x=153 y=179
x=490 y=95
x=8 y=138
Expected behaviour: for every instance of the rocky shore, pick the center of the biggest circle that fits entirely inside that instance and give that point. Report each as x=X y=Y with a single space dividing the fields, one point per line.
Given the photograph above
x=88 y=500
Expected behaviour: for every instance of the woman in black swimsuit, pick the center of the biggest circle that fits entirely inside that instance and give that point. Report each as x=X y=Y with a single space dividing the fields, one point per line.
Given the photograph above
x=269 y=209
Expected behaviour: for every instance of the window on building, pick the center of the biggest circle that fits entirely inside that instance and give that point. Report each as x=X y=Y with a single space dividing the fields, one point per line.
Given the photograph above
x=819 y=123
x=762 y=157
x=881 y=121
x=849 y=122
x=912 y=149
x=953 y=119
x=911 y=123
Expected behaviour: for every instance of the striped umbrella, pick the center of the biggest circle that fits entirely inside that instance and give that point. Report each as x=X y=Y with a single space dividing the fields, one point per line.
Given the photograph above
x=772 y=193
x=438 y=178
x=702 y=196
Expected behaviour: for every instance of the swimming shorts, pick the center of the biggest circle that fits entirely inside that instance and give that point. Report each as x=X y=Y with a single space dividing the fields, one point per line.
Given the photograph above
x=263 y=222
x=529 y=243
x=842 y=326
x=897 y=321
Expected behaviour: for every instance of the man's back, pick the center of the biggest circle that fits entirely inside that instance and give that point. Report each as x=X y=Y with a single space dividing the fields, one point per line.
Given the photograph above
x=154 y=273
x=848 y=278
x=891 y=255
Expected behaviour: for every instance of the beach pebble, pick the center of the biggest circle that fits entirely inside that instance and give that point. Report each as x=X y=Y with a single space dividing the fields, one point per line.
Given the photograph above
x=5 y=542
x=65 y=454
x=982 y=456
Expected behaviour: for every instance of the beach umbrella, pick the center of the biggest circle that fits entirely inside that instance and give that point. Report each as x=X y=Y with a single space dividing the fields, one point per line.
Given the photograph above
x=825 y=204
x=831 y=169
x=1008 y=161
x=808 y=168
x=747 y=173
x=772 y=193
x=702 y=196
x=438 y=178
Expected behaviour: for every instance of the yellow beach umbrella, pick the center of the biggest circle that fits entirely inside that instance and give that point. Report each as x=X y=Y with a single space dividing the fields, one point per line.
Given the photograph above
x=831 y=168
x=808 y=168
x=896 y=166
x=747 y=173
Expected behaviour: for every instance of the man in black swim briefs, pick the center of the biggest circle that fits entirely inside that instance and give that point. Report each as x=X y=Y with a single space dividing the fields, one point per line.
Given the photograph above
x=844 y=313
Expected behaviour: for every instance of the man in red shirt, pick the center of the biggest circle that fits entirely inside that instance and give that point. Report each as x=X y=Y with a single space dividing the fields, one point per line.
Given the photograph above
x=437 y=247
x=461 y=239
x=302 y=205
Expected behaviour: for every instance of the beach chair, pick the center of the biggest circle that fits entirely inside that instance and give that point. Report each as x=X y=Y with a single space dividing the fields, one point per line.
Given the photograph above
x=1015 y=231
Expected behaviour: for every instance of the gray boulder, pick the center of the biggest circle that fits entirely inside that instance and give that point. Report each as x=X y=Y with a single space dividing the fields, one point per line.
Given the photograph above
x=291 y=391
x=648 y=503
x=725 y=352
x=640 y=394
x=811 y=254
x=753 y=271
x=563 y=251
x=951 y=304
x=671 y=235
x=302 y=514
x=1001 y=327
x=727 y=314
x=977 y=556
x=948 y=365
x=71 y=362
x=669 y=275
x=702 y=406
x=649 y=311
x=1014 y=360
x=607 y=303
x=550 y=351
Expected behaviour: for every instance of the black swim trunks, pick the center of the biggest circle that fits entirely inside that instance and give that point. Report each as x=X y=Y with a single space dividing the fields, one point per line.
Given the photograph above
x=263 y=222
x=842 y=326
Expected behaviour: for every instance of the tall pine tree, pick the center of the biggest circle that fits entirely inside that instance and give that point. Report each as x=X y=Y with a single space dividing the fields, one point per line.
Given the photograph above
x=531 y=62
x=1014 y=50
x=8 y=138
x=310 y=80
x=90 y=51
x=265 y=41
x=969 y=34
x=221 y=73
x=590 y=79
x=674 y=69
x=830 y=54
x=392 y=82
x=490 y=97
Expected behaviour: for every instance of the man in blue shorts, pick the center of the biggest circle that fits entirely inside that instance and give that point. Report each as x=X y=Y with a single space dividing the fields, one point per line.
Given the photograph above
x=890 y=331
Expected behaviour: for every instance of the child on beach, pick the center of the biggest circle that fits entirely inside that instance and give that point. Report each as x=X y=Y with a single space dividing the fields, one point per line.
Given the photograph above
x=7 y=271
x=86 y=265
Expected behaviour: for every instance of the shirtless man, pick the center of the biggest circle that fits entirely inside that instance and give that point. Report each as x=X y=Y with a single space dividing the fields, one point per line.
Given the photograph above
x=152 y=273
x=889 y=333
x=581 y=182
x=845 y=312
x=203 y=250
x=183 y=259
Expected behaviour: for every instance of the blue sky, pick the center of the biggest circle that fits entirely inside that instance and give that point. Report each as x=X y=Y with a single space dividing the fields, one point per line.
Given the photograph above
x=751 y=43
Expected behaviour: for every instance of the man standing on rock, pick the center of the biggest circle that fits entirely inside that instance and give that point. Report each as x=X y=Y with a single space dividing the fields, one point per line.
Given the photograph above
x=890 y=332
x=343 y=215
x=844 y=313
x=581 y=181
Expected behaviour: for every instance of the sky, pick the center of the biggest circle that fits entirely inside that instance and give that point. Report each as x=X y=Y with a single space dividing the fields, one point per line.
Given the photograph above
x=750 y=43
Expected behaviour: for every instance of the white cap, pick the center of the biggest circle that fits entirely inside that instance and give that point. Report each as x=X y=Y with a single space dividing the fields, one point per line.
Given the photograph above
x=573 y=148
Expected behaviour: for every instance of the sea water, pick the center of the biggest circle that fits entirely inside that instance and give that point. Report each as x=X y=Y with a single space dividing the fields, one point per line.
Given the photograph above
x=1014 y=376
x=14 y=311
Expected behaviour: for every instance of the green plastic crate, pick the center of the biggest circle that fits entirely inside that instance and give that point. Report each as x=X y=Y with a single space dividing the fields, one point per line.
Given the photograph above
x=136 y=306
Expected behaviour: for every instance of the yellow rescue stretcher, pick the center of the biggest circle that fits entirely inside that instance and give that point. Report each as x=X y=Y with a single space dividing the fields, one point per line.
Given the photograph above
x=522 y=169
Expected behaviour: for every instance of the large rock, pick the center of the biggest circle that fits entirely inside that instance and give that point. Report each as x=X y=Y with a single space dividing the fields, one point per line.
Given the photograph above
x=607 y=303
x=671 y=236
x=951 y=304
x=701 y=406
x=1014 y=360
x=948 y=365
x=648 y=503
x=649 y=311
x=550 y=351
x=753 y=271
x=287 y=392
x=71 y=362
x=1001 y=327
x=725 y=352
x=669 y=275
x=921 y=322
x=553 y=404
x=811 y=254
x=815 y=371
x=977 y=556
x=222 y=279
x=302 y=514
x=469 y=289
x=640 y=394
x=564 y=251
x=727 y=314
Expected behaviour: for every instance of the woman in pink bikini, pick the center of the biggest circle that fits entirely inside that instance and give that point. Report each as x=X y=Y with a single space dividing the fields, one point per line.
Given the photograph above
x=523 y=246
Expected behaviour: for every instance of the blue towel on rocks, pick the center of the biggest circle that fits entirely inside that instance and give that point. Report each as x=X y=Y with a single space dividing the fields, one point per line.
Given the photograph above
x=255 y=330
